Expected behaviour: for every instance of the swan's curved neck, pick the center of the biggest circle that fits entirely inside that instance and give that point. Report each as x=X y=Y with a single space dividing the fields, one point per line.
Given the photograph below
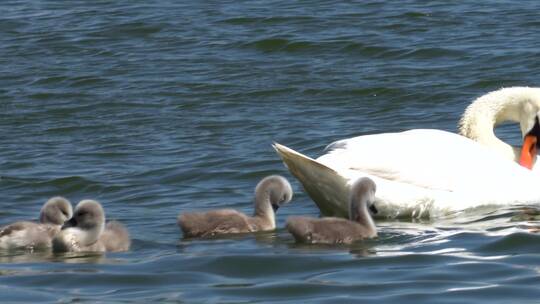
x=510 y=104
x=358 y=208
x=263 y=207
x=364 y=218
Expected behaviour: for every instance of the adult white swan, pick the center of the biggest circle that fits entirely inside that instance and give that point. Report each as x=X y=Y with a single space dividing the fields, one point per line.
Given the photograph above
x=425 y=172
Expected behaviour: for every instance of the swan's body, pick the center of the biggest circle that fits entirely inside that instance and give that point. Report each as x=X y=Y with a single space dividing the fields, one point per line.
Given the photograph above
x=271 y=192
x=27 y=235
x=86 y=231
x=332 y=230
x=31 y=235
x=115 y=237
x=430 y=172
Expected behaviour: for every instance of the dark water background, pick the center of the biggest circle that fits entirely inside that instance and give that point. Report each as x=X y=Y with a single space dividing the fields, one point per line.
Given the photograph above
x=160 y=107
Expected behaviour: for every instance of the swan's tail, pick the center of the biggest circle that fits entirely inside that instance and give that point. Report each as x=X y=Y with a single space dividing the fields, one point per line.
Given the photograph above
x=325 y=186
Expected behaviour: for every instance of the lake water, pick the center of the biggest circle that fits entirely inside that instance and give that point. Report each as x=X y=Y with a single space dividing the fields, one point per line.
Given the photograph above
x=160 y=107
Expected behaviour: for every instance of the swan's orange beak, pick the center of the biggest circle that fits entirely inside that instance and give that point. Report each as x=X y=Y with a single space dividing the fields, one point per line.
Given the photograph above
x=528 y=151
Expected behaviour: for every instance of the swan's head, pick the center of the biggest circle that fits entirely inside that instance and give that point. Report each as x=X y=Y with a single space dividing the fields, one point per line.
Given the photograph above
x=88 y=217
x=56 y=211
x=517 y=104
x=277 y=189
x=522 y=105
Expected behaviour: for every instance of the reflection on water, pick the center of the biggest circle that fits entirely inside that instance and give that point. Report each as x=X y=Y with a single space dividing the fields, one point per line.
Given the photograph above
x=21 y=256
x=359 y=249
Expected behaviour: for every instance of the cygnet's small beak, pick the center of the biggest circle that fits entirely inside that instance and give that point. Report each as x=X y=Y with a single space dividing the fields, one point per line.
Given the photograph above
x=71 y=223
x=275 y=207
x=373 y=209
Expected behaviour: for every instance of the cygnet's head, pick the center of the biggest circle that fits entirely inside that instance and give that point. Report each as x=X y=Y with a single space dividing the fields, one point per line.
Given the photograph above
x=56 y=211
x=88 y=215
x=362 y=198
x=277 y=188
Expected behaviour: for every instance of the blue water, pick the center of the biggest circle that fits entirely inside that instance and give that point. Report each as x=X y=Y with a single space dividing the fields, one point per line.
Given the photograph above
x=160 y=107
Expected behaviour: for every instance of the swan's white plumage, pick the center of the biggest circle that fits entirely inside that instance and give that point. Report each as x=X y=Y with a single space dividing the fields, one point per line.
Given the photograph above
x=426 y=158
x=425 y=172
x=434 y=173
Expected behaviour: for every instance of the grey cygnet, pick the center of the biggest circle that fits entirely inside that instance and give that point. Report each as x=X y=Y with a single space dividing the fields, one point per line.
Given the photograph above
x=86 y=231
x=31 y=235
x=332 y=230
x=271 y=193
